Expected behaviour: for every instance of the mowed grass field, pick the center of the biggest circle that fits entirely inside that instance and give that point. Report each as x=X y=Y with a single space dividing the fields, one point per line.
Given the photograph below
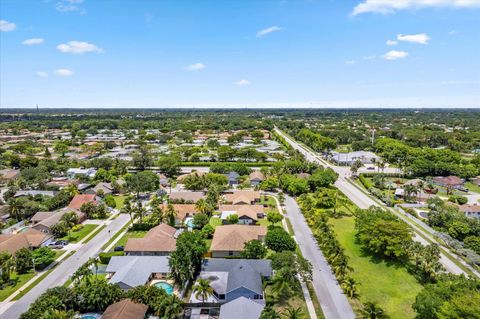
x=388 y=284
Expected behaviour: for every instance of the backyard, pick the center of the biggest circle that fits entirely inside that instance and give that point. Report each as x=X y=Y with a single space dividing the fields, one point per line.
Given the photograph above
x=389 y=284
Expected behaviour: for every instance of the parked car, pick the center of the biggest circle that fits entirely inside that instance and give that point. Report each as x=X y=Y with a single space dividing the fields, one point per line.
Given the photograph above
x=55 y=245
x=118 y=248
x=371 y=168
x=62 y=242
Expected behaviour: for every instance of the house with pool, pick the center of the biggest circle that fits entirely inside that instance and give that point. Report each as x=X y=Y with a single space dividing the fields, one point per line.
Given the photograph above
x=235 y=278
x=132 y=271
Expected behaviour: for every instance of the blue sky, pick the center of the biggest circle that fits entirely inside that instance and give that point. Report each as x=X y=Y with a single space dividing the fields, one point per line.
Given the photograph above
x=324 y=53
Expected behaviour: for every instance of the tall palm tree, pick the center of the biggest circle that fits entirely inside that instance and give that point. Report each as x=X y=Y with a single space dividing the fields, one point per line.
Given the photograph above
x=173 y=307
x=71 y=190
x=293 y=313
x=15 y=209
x=202 y=289
x=171 y=214
x=6 y=264
x=371 y=310
x=203 y=207
x=127 y=208
x=349 y=286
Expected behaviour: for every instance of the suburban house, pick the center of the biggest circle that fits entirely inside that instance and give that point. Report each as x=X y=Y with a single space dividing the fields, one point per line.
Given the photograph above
x=131 y=271
x=229 y=240
x=85 y=172
x=80 y=199
x=235 y=278
x=43 y=221
x=449 y=181
x=243 y=197
x=125 y=309
x=255 y=178
x=472 y=211
x=183 y=211
x=104 y=188
x=62 y=182
x=9 y=174
x=241 y=308
x=233 y=178
x=182 y=177
x=349 y=158
x=21 y=193
x=186 y=197
x=31 y=238
x=247 y=214
x=161 y=240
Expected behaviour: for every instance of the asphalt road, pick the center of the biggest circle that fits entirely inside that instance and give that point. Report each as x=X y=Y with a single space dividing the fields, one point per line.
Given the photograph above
x=364 y=201
x=61 y=273
x=334 y=303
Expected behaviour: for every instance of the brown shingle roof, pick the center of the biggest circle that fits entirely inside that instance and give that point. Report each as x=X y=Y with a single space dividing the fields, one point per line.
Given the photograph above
x=8 y=174
x=257 y=175
x=158 y=239
x=234 y=237
x=187 y=196
x=30 y=238
x=251 y=211
x=242 y=197
x=448 y=180
x=470 y=208
x=125 y=309
x=81 y=199
x=182 y=210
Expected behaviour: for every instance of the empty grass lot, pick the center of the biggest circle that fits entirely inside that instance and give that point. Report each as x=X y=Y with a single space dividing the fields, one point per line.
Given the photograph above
x=119 y=201
x=388 y=284
x=76 y=236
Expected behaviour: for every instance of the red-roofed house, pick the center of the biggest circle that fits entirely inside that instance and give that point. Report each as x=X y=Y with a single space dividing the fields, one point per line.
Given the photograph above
x=81 y=199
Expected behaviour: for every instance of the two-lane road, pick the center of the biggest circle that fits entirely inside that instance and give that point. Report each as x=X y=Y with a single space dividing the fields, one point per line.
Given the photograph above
x=363 y=201
x=330 y=295
x=63 y=271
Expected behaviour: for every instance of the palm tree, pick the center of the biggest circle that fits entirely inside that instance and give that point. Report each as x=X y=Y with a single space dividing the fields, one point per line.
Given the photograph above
x=173 y=307
x=349 y=286
x=171 y=214
x=409 y=190
x=371 y=310
x=139 y=211
x=202 y=289
x=203 y=207
x=293 y=313
x=71 y=190
x=127 y=208
x=15 y=209
x=69 y=219
x=6 y=264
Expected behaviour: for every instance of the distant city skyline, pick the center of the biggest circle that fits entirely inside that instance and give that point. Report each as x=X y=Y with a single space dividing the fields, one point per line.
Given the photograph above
x=240 y=54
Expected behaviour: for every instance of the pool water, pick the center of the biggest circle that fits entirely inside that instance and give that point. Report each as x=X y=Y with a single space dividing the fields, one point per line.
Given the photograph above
x=90 y=316
x=165 y=286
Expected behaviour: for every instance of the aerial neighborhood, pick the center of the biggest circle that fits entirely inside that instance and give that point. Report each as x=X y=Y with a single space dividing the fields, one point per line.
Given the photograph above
x=234 y=216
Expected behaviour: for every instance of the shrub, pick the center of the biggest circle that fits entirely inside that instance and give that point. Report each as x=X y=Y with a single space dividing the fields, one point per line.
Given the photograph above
x=77 y=227
x=105 y=257
x=365 y=182
x=278 y=239
x=458 y=199
x=110 y=201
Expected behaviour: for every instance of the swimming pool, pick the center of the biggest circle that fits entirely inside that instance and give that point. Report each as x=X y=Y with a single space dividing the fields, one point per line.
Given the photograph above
x=90 y=316
x=165 y=286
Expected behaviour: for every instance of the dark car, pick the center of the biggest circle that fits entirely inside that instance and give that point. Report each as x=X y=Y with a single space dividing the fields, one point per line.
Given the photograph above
x=118 y=248
x=62 y=242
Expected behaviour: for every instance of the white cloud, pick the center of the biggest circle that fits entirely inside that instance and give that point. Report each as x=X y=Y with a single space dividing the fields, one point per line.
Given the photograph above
x=391 y=42
x=69 y=6
x=394 y=55
x=33 y=41
x=242 y=82
x=421 y=38
x=42 y=74
x=269 y=30
x=64 y=72
x=350 y=62
x=196 y=67
x=6 y=26
x=391 y=6
x=453 y=32
x=78 y=47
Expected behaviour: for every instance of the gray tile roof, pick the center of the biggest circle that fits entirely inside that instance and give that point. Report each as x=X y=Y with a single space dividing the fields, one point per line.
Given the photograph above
x=132 y=271
x=227 y=275
x=241 y=308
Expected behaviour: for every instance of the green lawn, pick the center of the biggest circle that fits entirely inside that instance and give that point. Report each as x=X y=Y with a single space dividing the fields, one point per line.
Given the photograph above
x=119 y=200
x=472 y=187
x=76 y=236
x=130 y=234
x=215 y=221
x=388 y=284
x=20 y=281
x=266 y=223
